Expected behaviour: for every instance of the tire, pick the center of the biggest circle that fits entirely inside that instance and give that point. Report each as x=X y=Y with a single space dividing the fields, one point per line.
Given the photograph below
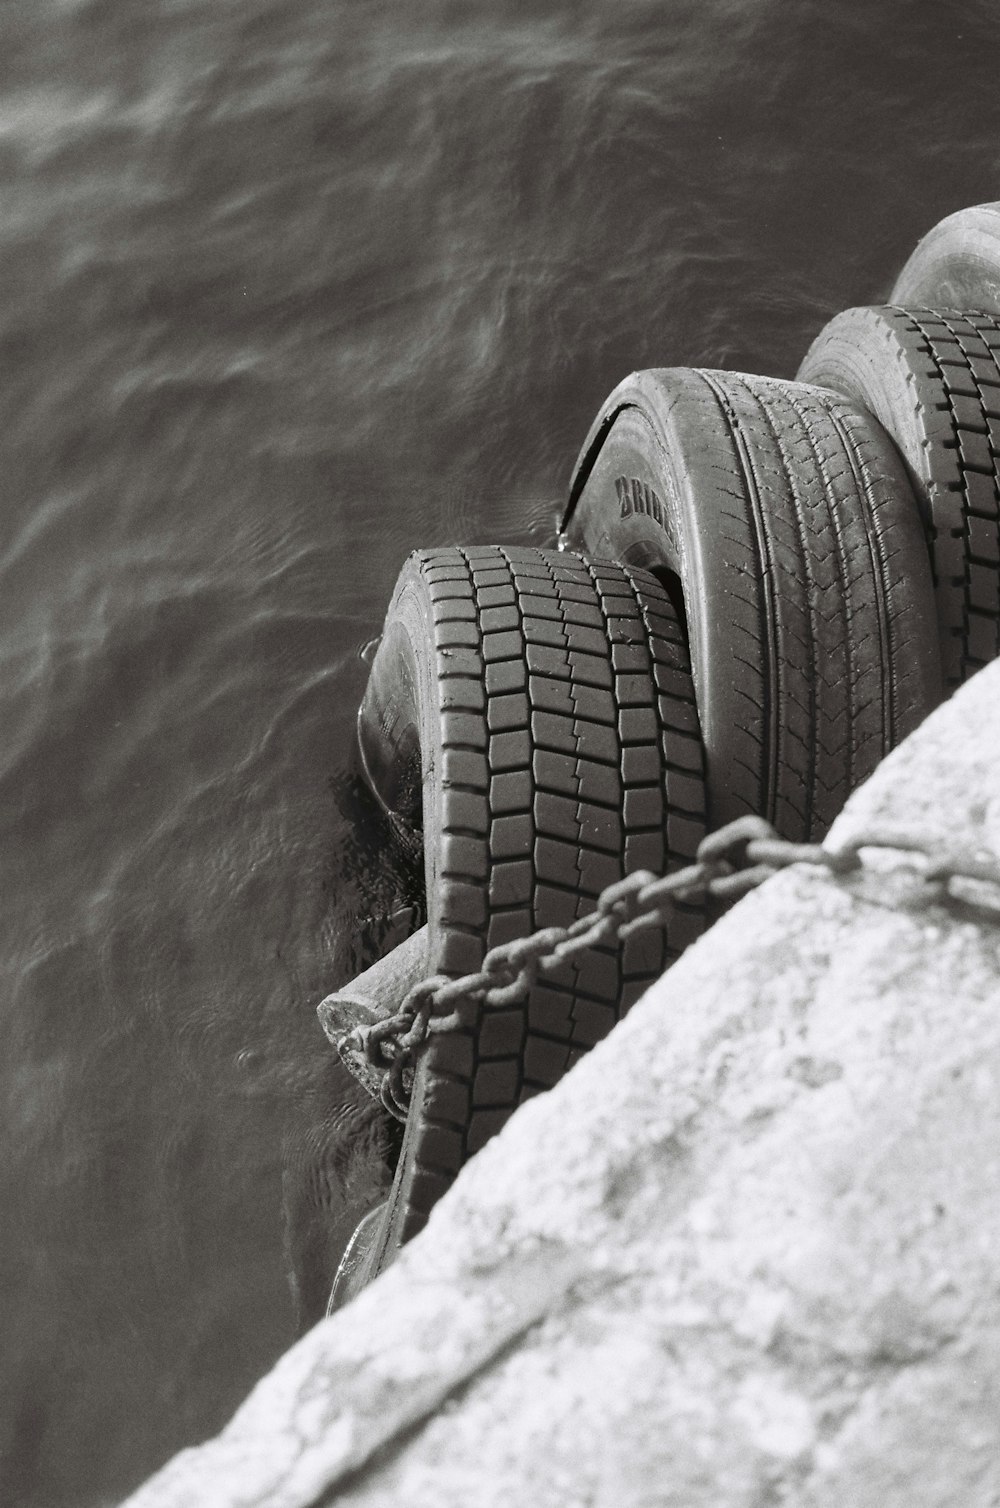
x=956 y=265
x=933 y=381
x=532 y=714
x=782 y=518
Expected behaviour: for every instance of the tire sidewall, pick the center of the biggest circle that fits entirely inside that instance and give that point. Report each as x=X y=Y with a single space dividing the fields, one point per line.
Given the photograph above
x=956 y=265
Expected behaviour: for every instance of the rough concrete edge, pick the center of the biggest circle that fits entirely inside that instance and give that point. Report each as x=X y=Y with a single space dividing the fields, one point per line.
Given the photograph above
x=367 y=1375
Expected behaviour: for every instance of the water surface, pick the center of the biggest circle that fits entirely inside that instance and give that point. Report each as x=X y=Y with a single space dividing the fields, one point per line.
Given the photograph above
x=288 y=289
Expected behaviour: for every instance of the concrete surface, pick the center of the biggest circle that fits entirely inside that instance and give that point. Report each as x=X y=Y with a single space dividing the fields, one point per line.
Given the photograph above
x=745 y=1254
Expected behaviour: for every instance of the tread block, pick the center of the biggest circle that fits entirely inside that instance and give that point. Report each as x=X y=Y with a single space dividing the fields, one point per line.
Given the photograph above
x=507 y=926
x=612 y=585
x=591 y=670
x=510 y=751
x=984 y=589
x=496 y=1083
x=491 y=575
x=541 y=607
x=496 y=596
x=984 y=637
x=453 y=1053
x=511 y=837
x=984 y=540
x=632 y=690
x=593 y=1022
x=630 y=657
x=642 y=954
x=601 y=782
x=645 y=851
x=637 y=725
x=981 y=492
x=598 y=742
x=447 y=1100
x=684 y=753
x=464 y=904
x=577 y=589
x=507 y=712
x=460 y=661
x=681 y=717
x=974 y=449
x=640 y=764
x=643 y=806
x=601 y=975
x=555 y=908
x=672 y=681
x=557 y=816
x=443 y=1147
x=556 y=860
x=460 y=953
x=463 y=767
x=506 y=675
x=591 y=641
x=595 y=705
x=550 y=1011
x=534 y=576
x=501 y=1033
x=494 y=619
x=551 y=695
x=583 y=614
x=511 y=792
x=542 y=659
x=601 y=827
x=451 y=590
x=466 y=810
x=463 y=728
x=685 y=791
x=683 y=836
x=550 y=731
x=502 y=646
x=455 y=610
x=448 y=635
x=545 y=1062
x=969 y=413
x=542 y=631
x=511 y=883
x=598 y=870
x=555 y=772
x=466 y=857
x=463 y=693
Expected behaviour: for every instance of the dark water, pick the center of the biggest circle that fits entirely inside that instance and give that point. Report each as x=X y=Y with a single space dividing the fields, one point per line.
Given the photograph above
x=286 y=290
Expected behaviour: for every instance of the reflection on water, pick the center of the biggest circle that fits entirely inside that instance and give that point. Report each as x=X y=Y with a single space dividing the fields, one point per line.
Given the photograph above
x=288 y=289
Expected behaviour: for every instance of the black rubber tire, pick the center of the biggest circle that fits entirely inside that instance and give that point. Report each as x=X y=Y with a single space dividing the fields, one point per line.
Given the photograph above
x=544 y=706
x=933 y=381
x=956 y=265
x=784 y=518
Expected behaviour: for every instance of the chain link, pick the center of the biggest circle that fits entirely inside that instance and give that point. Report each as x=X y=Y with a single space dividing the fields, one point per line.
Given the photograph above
x=729 y=863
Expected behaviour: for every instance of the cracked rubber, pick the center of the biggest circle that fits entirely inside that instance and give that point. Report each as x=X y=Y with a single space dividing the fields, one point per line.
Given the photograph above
x=533 y=713
x=783 y=517
x=933 y=380
x=956 y=265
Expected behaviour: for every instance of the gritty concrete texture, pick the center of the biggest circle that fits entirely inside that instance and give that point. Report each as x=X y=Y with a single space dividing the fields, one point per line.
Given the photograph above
x=745 y=1254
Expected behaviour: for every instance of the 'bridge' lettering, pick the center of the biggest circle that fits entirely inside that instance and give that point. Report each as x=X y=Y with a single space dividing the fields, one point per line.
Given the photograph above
x=638 y=497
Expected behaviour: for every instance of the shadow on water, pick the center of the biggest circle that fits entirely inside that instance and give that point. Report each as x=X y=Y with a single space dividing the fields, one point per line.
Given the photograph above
x=288 y=289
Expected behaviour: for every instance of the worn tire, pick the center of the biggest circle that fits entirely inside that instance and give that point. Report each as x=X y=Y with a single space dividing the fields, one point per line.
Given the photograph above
x=784 y=520
x=956 y=265
x=532 y=713
x=933 y=381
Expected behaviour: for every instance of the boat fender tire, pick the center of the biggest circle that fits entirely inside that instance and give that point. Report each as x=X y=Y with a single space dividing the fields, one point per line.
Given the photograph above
x=782 y=517
x=531 y=714
x=933 y=381
x=956 y=265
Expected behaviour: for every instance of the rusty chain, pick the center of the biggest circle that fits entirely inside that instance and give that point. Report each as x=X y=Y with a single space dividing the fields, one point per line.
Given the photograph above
x=729 y=863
